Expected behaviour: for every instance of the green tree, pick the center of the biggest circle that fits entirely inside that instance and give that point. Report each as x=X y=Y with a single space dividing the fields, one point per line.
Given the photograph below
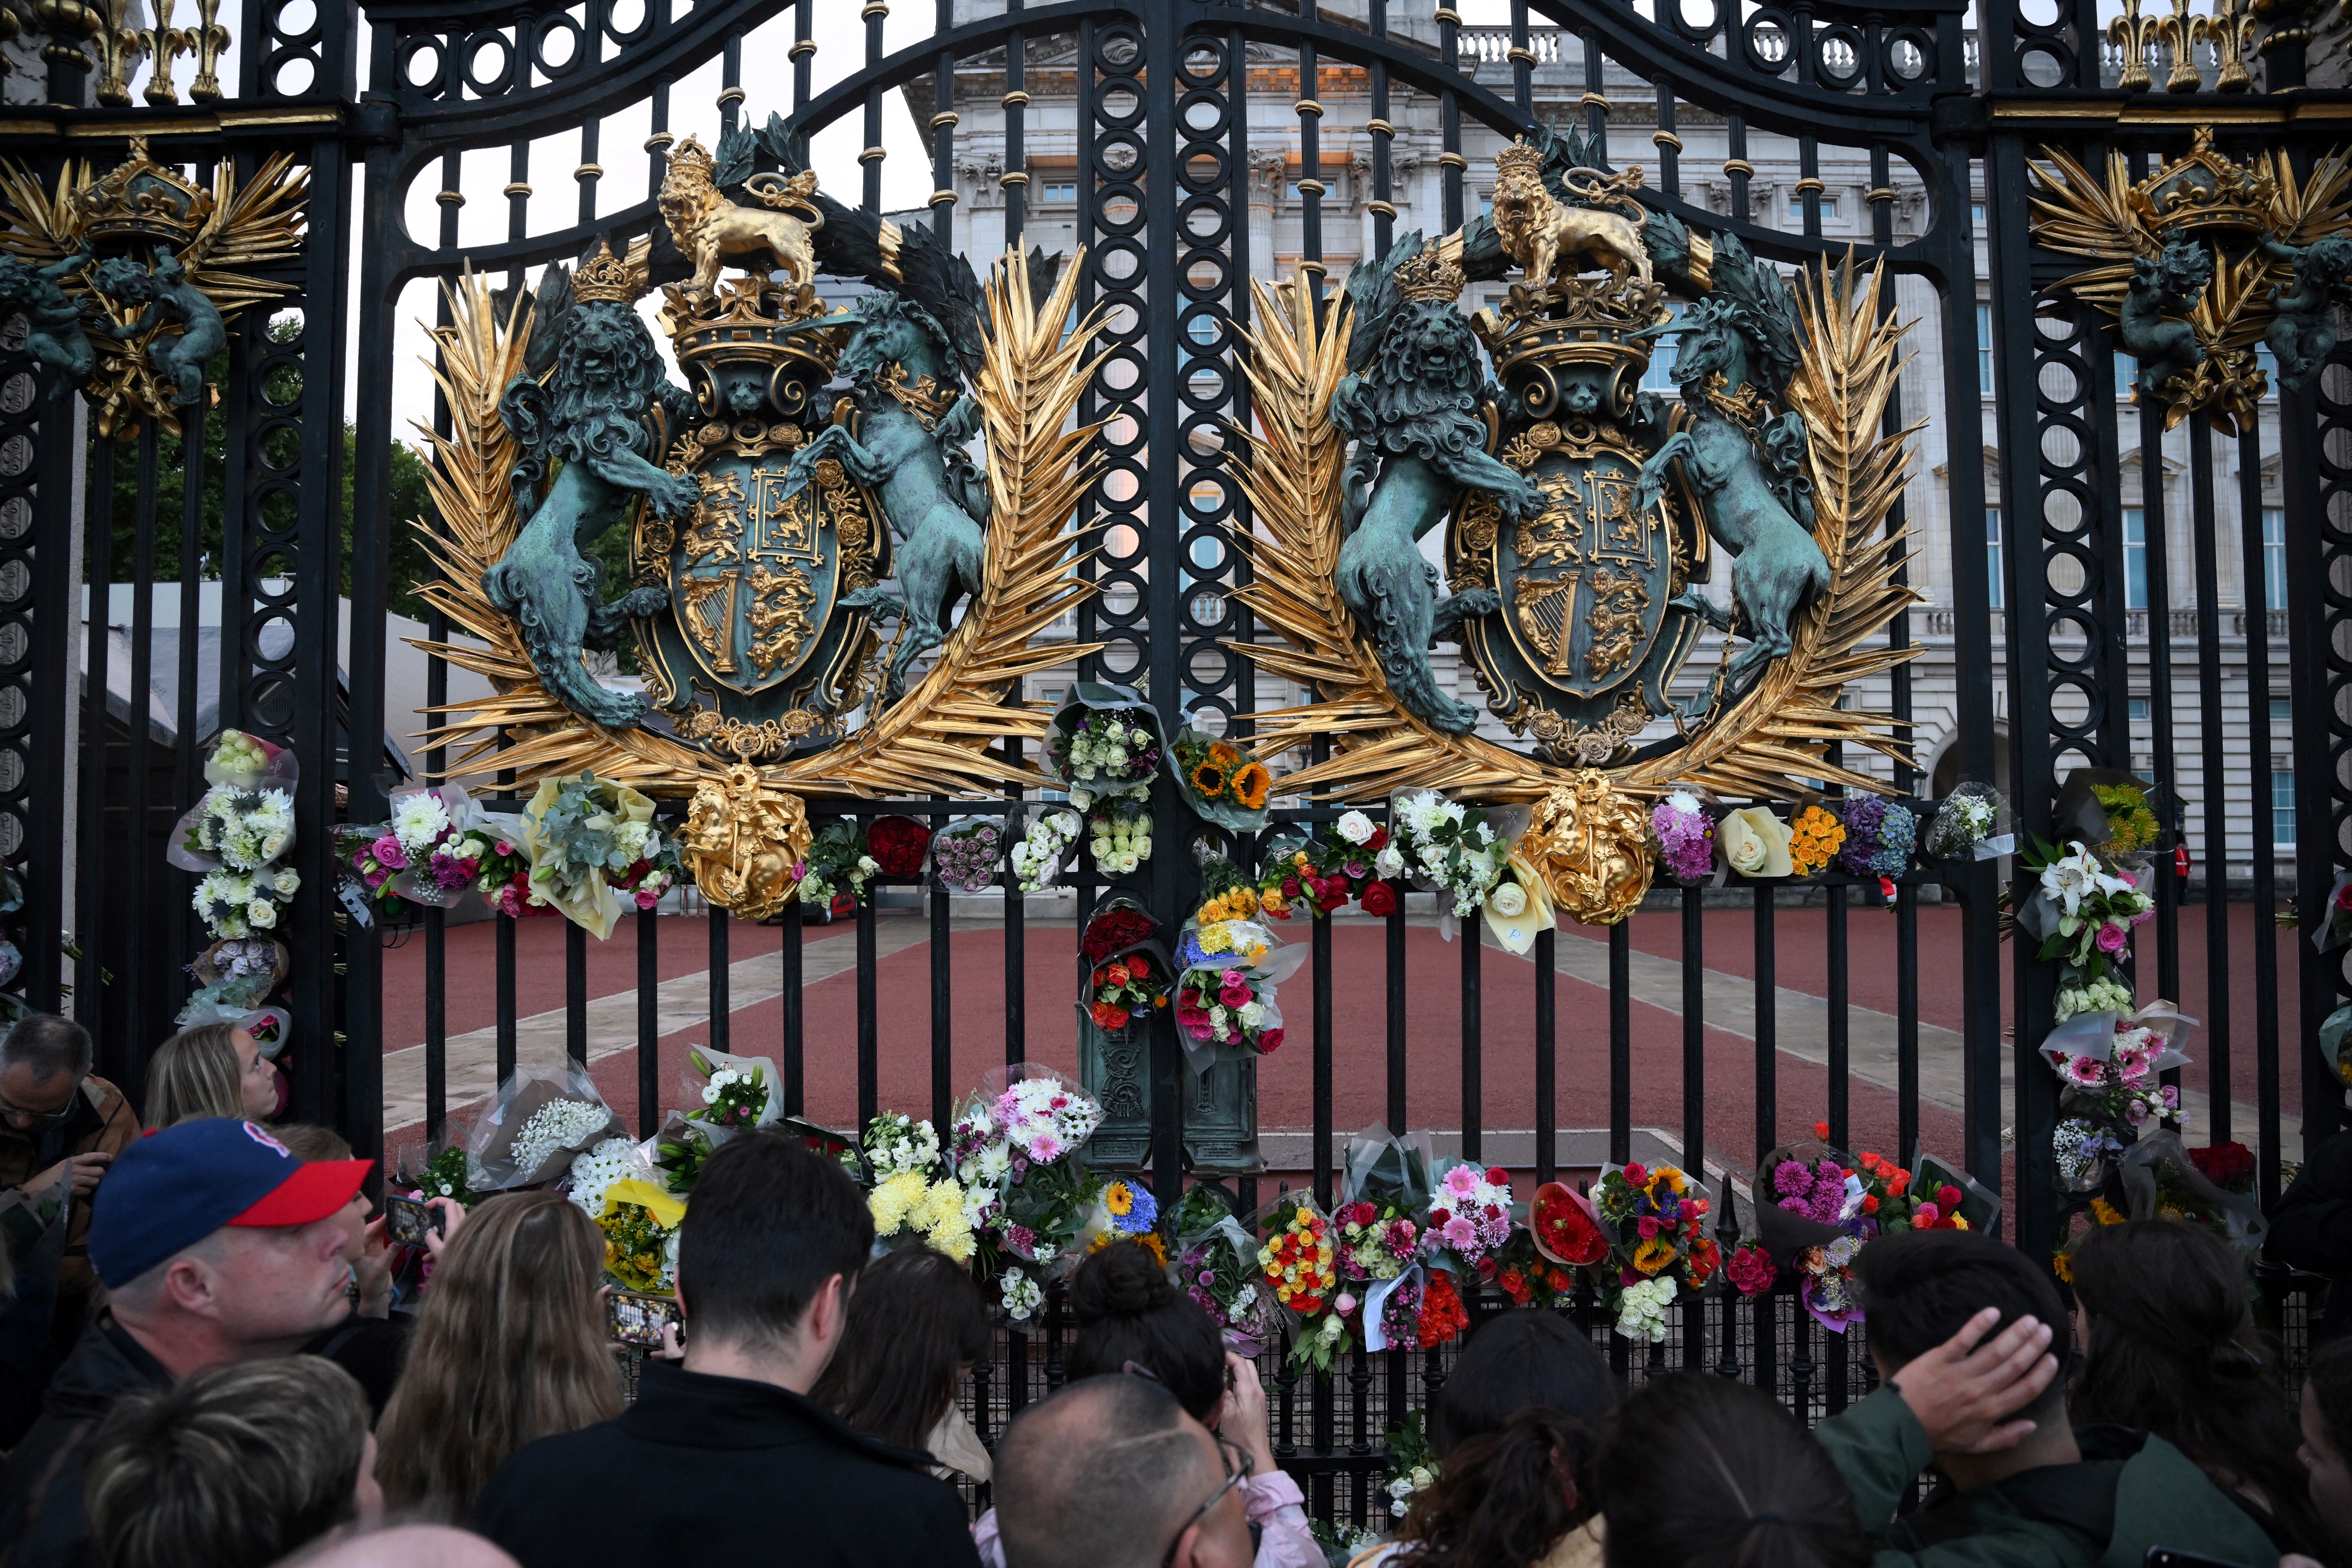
x=410 y=499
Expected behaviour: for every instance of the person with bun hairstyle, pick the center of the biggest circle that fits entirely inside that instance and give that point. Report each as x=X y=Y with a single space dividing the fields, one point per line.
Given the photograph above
x=1514 y=1431
x=1707 y=1472
x=1132 y=1319
x=2169 y=1348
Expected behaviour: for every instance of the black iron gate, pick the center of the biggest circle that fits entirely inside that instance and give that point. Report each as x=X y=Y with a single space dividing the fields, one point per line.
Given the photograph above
x=244 y=575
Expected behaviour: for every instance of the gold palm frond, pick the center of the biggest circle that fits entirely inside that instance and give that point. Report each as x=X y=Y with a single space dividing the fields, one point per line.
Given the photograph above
x=255 y=223
x=944 y=736
x=43 y=225
x=2077 y=213
x=941 y=737
x=1768 y=743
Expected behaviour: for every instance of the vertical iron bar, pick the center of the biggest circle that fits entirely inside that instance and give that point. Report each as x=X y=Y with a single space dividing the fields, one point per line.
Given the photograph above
x=2214 y=779
x=795 y=1063
x=576 y=993
x=1472 y=1061
x=1621 y=1042
x=722 y=1012
x=1547 y=954
x=1768 y=1059
x=1694 y=1033
x=1839 y=1020
x=2261 y=852
x=649 y=1112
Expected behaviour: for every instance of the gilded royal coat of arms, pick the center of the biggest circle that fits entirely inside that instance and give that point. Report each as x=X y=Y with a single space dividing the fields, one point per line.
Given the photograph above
x=795 y=558
x=1589 y=524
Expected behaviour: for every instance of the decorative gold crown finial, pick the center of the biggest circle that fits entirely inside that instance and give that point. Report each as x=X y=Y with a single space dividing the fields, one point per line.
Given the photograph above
x=1427 y=275
x=604 y=276
x=1519 y=155
x=691 y=152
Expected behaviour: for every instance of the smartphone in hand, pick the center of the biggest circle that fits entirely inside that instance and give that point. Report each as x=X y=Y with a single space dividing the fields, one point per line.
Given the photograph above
x=407 y=1221
x=633 y=1317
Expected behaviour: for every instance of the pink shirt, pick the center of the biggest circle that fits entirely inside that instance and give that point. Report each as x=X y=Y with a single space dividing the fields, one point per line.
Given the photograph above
x=1273 y=1503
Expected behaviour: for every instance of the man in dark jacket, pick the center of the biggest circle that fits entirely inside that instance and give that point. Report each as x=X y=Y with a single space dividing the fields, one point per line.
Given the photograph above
x=728 y=1452
x=60 y=1126
x=1968 y=1335
x=216 y=1246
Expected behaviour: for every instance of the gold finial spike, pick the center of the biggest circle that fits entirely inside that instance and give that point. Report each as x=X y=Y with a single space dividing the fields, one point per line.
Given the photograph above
x=2134 y=34
x=119 y=48
x=210 y=39
x=165 y=44
x=2231 y=30
x=2179 y=33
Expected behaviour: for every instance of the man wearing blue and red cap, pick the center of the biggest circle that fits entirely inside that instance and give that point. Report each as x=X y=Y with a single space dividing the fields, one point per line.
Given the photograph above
x=216 y=1245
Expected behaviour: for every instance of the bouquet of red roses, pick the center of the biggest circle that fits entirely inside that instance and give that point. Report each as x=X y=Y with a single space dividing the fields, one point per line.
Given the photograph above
x=897 y=844
x=1127 y=988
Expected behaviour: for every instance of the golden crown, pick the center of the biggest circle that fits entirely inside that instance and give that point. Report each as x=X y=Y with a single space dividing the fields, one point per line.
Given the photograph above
x=1520 y=156
x=604 y=276
x=691 y=152
x=141 y=200
x=1428 y=275
x=2204 y=190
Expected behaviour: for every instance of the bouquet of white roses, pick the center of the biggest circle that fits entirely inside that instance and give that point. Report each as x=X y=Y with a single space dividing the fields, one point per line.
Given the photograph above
x=1037 y=858
x=1105 y=740
x=239 y=904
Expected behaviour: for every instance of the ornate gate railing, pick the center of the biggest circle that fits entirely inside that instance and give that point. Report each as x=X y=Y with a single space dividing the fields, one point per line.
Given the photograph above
x=2054 y=586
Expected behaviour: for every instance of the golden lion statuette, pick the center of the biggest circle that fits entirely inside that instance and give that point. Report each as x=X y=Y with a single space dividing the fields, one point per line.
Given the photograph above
x=746 y=844
x=1592 y=841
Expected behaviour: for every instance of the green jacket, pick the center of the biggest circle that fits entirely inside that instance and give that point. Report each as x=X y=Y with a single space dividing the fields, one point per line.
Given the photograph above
x=2129 y=1492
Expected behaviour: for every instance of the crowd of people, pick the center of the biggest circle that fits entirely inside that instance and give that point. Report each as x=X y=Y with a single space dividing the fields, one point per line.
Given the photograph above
x=200 y=1364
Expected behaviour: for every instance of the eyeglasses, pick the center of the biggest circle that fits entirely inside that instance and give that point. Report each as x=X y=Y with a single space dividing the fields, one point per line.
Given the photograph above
x=38 y=1118
x=1237 y=1470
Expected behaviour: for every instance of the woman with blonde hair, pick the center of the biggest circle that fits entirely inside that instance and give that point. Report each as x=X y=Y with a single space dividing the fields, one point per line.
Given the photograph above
x=509 y=1348
x=212 y=1070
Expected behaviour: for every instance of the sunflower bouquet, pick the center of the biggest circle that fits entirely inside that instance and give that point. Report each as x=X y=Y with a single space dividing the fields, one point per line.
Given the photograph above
x=1654 y=1219
x=1220 y=781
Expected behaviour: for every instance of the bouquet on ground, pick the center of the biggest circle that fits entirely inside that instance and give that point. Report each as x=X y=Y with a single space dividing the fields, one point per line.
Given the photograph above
x=1971 y=823
x=727 y=1094
x=1298 y=1268
x=1755 y=843
x=534 y=1127
x=673 y=1156
x=967 y=854
x=640 y=1225
x=1037 y=858
x=1229 y=972
x=1215 y=1262
x=1879 y=837
x=1445 y=847
x=1685 y=835
x=838 y=864
x=1321 y=871
x=594 y=848
x=1220 y=781
x=2158 y=1177
x=445 y=1175
x=1816 y=839
x=1654 y=1217
x=2081 y=910
x=1125 y=972
x=898 y=845
x=594 y=1170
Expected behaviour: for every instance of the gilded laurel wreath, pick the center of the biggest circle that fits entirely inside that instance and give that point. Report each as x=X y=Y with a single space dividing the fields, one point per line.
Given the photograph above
x=942 y=736
x=1768 y=741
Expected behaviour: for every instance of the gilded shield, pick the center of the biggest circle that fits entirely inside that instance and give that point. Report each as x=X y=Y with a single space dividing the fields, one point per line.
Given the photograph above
x=1584 y=585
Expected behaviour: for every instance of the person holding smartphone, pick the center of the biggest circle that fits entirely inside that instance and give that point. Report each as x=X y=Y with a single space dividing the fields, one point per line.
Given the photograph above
x=61 y=1127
